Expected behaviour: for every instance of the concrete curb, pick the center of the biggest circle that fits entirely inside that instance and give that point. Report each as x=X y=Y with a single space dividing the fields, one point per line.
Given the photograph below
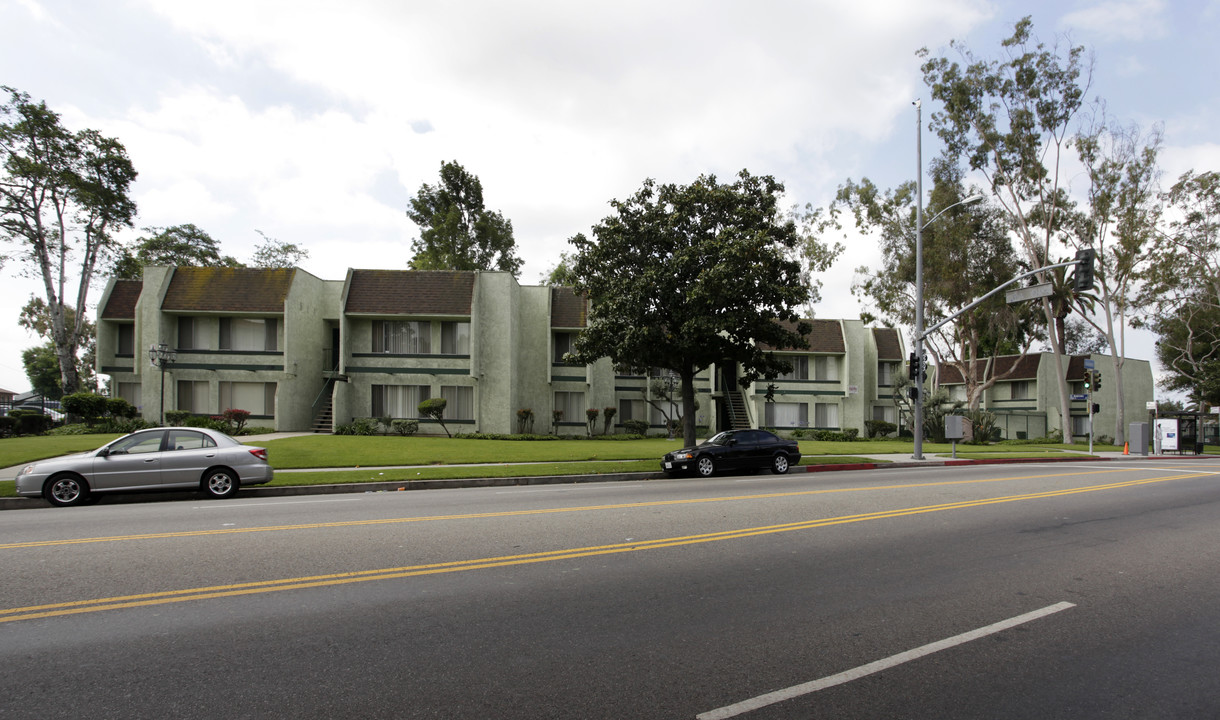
x=449 y=484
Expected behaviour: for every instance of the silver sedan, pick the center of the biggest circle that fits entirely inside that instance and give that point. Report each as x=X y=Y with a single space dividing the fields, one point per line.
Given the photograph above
x=160 y=458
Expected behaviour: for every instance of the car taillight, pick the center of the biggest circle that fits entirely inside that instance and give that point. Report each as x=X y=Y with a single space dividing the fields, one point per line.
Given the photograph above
x=260 y=453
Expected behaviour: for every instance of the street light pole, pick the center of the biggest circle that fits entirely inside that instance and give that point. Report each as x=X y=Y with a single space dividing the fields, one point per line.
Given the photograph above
x=917 y=431
x=162 y=356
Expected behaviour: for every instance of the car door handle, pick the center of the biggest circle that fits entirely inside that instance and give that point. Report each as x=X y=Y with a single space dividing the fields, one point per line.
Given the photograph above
x=150 y=460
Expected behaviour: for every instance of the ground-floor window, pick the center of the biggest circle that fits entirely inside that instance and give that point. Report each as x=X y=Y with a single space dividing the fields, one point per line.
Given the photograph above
x=886 y=413
x=631 y=410
x=661 y=406
x=826 y=415
x=255 y=398
x=193 y=396
x=129 y=391
x=459 y=402
x=399 y=401
x=783 y=414
x=1080 y=424
x=572 y=404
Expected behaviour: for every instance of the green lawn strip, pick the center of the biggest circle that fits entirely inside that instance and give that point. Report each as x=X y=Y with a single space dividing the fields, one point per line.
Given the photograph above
x=19 y=450
x=449 y=472
x=983 y=455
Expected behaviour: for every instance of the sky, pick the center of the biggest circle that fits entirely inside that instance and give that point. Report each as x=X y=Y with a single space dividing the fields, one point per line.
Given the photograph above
x=316 y=122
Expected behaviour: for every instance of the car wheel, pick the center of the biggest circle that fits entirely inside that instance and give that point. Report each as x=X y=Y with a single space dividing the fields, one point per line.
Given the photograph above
x=220 y=483
x=66 y=490
x=779 y=465
x=705 y=466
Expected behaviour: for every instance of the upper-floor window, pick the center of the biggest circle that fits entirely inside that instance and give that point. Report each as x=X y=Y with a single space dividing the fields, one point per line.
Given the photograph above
x=190 y=334
x=826 y=367
x=126 y=346
x=455 y=338
x=800 y=368
x=256 y=334
x=1021 y=389
x=885 y=372
x=399 y=337
x=563 y=345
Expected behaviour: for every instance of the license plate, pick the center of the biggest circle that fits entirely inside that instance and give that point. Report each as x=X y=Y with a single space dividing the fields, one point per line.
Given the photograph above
x=668 y=465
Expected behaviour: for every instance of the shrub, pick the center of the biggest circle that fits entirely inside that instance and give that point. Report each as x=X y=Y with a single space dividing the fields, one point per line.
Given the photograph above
x=847 y=435
x=556 y=418
x=608 y=414
x=435 y=409
x=404 y=427
x=525 y=421
x=177 y=417
x=591 y=419
x=8 y=426
x=878 y=428
x=358 y=426
x=982 y=423
x=117 y=407
x=87 y=405
x=635 y=427
x=30 y=422
x=236 y=419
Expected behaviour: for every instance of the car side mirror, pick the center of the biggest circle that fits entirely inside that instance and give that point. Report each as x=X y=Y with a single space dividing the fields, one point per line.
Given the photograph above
x=103 y=452
x=732 y=441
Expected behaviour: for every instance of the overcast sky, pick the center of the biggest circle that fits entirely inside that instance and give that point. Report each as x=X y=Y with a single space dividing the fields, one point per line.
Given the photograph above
x=315 y=122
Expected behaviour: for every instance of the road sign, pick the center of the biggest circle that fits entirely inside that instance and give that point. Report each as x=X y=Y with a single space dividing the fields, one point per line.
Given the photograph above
x=1080 y=397
x=1088 y=363
x=1033 y=292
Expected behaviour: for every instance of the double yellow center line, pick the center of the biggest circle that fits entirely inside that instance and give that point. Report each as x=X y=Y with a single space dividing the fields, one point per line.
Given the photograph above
x=315 y=581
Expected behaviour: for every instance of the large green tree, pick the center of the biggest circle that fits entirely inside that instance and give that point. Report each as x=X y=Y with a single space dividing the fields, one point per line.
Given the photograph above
x=41 y=363
x=457 y=232
x=1181 y=291
x=684 y=276
x=62 y=196
x=967 y=251
x=179 y=245
x=1012 y=119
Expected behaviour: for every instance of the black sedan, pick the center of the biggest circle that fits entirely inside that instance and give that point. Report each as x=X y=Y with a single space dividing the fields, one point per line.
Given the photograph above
x=735 y=450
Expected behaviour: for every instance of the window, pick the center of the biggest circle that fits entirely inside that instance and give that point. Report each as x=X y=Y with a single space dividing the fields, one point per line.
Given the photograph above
x=459 y=402
x=190 y=334
x=129 y=391
x=126 y=346
x=255 y=397
x=630 y=410
x=572 y=404
x=826 y=415
x=780 y=414
x=139 y=444
x=826 y=368
x=1020 y=389
x=399 y=401
x=402 y=338
x=563 y=345
x=455 y=338
x=885 y=373
x=193 y=396
x=1080 y=424
x=249 y=334
x=886 y=413
x=800 y=368
x=656 y=417
x=189 y=440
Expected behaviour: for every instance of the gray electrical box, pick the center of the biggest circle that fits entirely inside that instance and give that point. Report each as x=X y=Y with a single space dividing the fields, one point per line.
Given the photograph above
x=1137 y=438
x=955 y=427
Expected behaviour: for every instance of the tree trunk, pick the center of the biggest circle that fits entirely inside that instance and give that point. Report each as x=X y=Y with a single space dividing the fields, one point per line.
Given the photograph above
x=688 y=407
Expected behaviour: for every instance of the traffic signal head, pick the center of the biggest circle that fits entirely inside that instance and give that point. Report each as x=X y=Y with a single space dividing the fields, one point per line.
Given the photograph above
x=1088 y=379
x=913 y=367
x=1083 y=279
x=1096 y=380
x=1096 y=408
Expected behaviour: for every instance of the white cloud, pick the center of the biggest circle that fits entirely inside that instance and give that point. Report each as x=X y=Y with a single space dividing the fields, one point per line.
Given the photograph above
x=1121 y=20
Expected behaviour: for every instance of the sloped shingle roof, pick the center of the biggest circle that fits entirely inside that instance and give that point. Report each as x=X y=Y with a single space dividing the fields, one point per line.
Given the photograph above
x=121 y=305
x=1027 y=369
x=410 y=292
x=825 y=336
x=889 y=346
x=255 y=290
x=568 y=310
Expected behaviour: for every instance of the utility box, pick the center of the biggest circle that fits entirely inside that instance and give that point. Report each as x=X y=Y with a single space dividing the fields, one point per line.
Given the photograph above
x=1137 y=438
x=956 y=427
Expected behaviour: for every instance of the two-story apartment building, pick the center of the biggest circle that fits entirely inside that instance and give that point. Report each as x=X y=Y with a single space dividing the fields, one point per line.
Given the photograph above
x=292 y=348
x=1026 y=399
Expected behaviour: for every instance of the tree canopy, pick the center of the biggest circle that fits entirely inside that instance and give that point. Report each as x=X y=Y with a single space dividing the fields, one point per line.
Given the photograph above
x=456 y=231
x=62 y=196
x=179 y=245
x=272 y=253
x=684 y=276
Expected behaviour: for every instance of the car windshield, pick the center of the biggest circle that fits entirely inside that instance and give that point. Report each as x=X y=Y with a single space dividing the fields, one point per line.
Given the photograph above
x=721 y=438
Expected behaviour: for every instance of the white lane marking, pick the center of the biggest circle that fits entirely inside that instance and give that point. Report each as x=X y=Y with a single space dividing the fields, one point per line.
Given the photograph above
x=771 y=698
x=225 y=505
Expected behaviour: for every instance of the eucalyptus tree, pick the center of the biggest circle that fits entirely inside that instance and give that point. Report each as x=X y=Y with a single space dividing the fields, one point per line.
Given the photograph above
x=457 y=232
x=684 y=276
x=1012 y=120
x=62 y=197
x=178 y=245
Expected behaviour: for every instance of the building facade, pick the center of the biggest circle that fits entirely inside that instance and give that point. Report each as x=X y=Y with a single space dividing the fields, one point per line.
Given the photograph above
x=302 y=353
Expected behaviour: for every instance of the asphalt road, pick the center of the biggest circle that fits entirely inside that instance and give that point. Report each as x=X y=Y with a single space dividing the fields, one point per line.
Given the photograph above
x=1079 y=590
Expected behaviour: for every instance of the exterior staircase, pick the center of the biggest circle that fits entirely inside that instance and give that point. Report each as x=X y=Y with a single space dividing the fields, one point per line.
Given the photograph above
x=738 y=419
x=324 y=421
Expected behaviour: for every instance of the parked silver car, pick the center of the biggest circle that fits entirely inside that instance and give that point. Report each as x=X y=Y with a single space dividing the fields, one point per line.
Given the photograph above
x=159 y=458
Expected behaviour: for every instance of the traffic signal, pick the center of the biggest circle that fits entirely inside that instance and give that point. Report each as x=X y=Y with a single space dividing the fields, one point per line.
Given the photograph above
x=1083 y=279
x=1096 y=380
x=913 y=368
x=1088 y=380
x=1096 y=408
